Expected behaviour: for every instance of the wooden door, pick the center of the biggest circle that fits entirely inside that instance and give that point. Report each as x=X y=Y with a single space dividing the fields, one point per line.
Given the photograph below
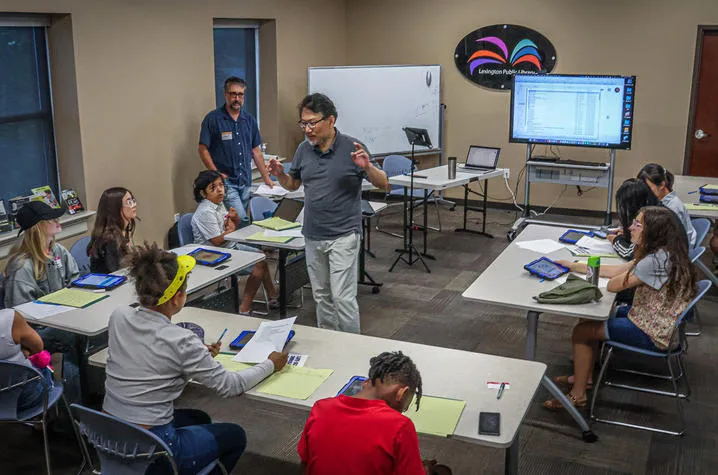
x=703 y=128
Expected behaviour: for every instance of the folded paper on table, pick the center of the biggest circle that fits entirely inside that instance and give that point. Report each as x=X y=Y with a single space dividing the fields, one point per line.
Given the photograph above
x=73 y=298
x=261 y=236
x=294 y=232
x=270 y=336
x=38 y=311
x=596 y=246
x=276 y=224
x=544 y=246
x=436 y=415
x=710 y=187
x=602 y=281
x=276 y=190
x=294 y=382
x=226 y=360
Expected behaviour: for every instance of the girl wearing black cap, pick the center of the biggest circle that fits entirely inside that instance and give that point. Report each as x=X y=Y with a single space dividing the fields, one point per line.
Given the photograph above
x=38 y=266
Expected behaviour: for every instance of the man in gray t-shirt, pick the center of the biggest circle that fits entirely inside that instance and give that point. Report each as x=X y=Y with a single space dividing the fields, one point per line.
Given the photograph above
x=331 y=166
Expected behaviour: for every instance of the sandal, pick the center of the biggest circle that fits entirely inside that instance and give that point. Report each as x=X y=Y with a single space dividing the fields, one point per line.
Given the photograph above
x=555 y=404
x=567 y=381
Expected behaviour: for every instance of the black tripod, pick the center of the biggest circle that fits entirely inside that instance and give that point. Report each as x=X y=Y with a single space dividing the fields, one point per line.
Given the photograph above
x=416 y=137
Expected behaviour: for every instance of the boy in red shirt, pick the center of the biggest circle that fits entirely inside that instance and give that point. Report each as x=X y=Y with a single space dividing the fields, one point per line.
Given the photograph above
x=367 y=433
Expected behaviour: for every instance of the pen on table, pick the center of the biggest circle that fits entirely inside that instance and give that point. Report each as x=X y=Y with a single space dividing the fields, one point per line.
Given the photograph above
x=219 y=340
x=501 y=390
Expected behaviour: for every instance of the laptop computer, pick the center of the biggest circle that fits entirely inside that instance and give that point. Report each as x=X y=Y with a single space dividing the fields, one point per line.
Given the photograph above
x=481 y=159
x=289 y=209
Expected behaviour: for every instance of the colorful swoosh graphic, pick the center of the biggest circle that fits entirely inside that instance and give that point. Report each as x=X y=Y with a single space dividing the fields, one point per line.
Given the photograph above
x=525 y=51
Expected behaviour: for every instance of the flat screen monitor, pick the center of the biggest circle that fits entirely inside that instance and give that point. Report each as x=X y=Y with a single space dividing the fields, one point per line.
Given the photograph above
x=583 y=111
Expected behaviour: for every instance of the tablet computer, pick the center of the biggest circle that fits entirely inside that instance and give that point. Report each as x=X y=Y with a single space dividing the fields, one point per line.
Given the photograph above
x=353 y=386
x=546 y=268
x=247 y=335
x=99 y=281
x=208 y=257
x=572 y=236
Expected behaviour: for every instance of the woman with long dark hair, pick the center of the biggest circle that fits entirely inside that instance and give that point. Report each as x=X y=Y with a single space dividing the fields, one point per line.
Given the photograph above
x=114 y=229
x=631 y=196
x=665 y=283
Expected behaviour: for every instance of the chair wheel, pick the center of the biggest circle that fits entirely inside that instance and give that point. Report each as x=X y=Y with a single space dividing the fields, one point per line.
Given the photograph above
x=375 y=290
x=511 y=235
x=589 y=436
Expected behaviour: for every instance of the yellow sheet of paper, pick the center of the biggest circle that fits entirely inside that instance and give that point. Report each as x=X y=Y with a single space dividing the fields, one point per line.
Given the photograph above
x=710 y=187
x=295 y=382
x=259 y=236
x=436 y=415
x=73 y=298
x=276 y=224
x=226 y=361
x=701 y=206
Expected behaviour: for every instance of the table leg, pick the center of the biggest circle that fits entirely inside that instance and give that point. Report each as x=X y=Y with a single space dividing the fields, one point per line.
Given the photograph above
x=511 y=462
x=532 y=319
x=282 y=264
x=236 y=300
x=426 y=223
x=468 y=208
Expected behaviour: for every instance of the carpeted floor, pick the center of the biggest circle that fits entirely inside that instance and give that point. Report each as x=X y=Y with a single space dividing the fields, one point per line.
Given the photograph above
x=427 y=308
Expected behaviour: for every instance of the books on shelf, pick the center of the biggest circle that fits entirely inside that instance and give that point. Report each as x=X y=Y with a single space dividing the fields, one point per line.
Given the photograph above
x=72 y=201
x=5 y=224
x=45 y=193
x=15 y=205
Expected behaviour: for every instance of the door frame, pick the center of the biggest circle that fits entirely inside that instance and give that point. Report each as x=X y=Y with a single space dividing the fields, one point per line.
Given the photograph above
x=702 y=30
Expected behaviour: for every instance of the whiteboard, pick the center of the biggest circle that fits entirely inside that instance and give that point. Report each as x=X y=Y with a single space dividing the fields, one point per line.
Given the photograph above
x=374 y=103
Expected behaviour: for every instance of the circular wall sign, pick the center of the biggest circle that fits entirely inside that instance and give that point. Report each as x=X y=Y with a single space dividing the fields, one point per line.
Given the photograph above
x=491 y=55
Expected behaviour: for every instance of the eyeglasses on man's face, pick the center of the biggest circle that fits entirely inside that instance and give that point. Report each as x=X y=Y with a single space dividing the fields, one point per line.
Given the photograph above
x=309 y=125
x=235 y=95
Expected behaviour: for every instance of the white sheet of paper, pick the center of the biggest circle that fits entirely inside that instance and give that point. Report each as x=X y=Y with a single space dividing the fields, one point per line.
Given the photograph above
x=270 y=336
x=599 y=246
x=39 y=311
x=602 y=281
x=297 y=360
x=276 y=190
x=544 y=246
x=294 y=232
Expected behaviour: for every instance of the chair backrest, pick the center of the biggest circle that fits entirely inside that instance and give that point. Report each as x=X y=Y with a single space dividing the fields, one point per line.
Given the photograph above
x=703 y=286
x=184 y=229
x=13 y=377
x=123 y=448
x=396 y=165
x=702 y=226
x=259 y=205
x=696 y=253
x=79 y=253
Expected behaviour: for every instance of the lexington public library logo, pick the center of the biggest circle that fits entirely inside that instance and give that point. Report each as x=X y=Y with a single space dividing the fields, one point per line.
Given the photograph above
x=491 y=55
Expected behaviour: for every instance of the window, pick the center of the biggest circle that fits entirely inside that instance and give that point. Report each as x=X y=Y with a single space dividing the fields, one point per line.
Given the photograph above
x=27 y=142
x=236 y=54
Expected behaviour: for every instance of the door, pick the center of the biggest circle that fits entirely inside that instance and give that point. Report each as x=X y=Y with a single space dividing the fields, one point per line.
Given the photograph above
x=702 y=143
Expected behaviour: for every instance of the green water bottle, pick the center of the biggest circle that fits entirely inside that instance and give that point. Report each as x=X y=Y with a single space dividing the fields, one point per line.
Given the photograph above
x=592 y=269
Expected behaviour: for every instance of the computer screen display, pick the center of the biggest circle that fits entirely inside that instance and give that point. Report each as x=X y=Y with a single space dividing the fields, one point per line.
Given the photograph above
x=584 y=111
x=482 y=157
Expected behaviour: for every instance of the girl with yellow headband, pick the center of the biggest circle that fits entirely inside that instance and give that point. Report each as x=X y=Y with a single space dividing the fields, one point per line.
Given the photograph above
x=150 y=361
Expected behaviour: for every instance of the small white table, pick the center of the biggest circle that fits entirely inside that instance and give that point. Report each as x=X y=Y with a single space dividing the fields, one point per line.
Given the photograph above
x=294 y=245
x=445 y=372
x=506 y=283
x=437 y=179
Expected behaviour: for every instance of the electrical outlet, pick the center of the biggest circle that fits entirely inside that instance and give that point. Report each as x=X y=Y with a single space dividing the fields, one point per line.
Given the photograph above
x=177 y=217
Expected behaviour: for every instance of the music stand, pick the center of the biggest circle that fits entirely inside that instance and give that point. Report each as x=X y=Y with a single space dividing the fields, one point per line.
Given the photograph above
x=421 y=138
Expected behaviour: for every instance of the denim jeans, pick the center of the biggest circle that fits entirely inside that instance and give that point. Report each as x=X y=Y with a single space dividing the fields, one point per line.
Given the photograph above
x=237 y=197
x=31 y=394
x=196 y=442
x=59 y=341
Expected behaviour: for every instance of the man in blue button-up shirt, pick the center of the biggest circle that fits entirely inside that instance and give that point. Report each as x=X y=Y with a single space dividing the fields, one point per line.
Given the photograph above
x=228 y=142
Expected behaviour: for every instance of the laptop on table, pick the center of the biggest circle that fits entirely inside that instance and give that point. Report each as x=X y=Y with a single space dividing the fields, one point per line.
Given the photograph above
x=480 y=159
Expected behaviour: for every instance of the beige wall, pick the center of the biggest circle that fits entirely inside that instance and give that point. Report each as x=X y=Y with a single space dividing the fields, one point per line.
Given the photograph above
x=653 y=39
x=144 y=74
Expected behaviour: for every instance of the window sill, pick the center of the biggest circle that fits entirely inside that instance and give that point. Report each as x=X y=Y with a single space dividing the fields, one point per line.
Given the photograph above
x=72 y=225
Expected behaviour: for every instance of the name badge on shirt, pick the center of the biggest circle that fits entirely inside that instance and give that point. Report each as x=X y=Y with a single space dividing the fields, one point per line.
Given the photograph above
x=57 y=262
x=226 y=135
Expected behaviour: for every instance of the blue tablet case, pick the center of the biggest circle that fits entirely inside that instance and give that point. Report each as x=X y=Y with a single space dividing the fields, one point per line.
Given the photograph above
x=236 y=345
x=546 y=268
x=569 y=240
x=220 y=256
x=353 y=380
x=99 y=281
